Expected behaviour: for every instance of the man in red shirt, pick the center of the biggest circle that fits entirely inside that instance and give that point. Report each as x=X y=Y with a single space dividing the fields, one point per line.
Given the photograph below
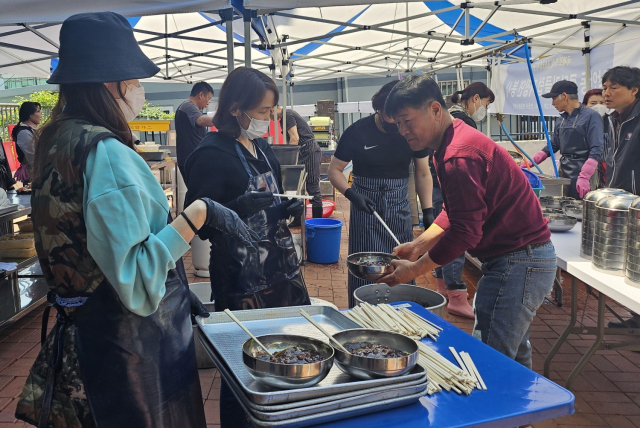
x=490 y=211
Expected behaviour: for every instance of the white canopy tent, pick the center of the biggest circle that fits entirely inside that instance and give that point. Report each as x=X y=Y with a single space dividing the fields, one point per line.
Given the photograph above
x=190 y=40
x=430 y=35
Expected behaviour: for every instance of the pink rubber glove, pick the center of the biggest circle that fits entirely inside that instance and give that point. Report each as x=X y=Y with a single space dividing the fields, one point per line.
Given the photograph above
x=582 y=185
x=540 y=156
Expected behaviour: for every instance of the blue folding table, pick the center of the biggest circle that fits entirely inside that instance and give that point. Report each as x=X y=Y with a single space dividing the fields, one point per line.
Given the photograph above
x=515 y=395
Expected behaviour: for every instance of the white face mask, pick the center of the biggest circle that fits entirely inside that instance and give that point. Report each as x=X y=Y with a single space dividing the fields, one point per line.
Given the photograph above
x=257 y=128
x=135 y=98
x=479 y=114
x=602 y=110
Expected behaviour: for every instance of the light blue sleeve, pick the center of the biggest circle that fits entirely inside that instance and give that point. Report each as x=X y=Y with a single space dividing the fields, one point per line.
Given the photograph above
x=127 y=233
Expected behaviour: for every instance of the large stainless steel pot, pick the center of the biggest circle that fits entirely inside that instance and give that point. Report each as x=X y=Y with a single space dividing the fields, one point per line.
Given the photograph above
x=382 y=293
x=632 y=268
x=611 y=233
x=589 y=218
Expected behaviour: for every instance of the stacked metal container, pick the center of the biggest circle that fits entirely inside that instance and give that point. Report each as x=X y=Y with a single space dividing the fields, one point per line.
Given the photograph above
x=611 y=233
x=589 y=218
x=632 y=268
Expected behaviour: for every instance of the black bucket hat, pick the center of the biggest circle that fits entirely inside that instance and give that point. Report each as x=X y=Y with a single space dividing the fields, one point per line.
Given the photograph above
x=98 y=48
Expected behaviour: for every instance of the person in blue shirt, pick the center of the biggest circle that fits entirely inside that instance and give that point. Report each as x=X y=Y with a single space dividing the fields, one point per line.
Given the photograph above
x=579 y=137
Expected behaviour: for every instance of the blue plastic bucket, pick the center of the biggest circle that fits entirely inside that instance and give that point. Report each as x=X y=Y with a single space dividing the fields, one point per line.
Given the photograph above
x=534 y=180
x=323 y=240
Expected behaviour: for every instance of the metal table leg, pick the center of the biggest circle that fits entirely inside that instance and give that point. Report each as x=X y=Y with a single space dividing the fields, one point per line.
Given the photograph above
x=557 y=286
x=568 y=330
x=303 y=237
x=596 y=344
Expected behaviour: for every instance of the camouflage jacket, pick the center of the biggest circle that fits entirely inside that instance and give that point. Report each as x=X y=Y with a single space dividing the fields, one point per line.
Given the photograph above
x=56 y=210
x=61 y=243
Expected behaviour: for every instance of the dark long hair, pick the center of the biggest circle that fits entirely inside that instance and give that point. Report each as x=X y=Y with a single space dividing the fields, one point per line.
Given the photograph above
x=244 y=88
x=476 y=88
x=26 y=110
x=91 y=102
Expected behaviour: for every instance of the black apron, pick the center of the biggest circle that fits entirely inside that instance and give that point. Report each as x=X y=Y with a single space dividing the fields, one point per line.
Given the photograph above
x=137 y=371
x=271 y=277
x=575 y=152
x=366 y=233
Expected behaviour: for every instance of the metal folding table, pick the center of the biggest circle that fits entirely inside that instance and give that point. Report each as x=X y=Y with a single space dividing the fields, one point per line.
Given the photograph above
x=515 y=395
x=568 y=253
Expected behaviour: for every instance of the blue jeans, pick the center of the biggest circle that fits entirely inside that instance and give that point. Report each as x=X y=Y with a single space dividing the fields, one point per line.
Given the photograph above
x=452 y=271
x=511 y=290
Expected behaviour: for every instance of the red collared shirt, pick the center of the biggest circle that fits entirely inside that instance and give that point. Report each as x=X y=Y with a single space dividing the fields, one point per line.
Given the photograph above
x=490 y=207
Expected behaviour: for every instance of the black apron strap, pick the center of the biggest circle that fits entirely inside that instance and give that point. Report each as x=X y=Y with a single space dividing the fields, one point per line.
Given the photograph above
x=55 y=361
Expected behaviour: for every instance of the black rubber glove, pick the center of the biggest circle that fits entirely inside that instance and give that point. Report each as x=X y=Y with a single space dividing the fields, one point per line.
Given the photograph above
x=428 y=217
x=361 y=202
x=197 y=308
x=253 y=202
x=227 y=221
x=293 y=208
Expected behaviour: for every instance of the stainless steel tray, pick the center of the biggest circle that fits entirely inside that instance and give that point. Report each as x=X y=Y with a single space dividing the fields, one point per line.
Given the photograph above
x=334 y=415
x=318 y=407
x=227 y=338
x=8 y=209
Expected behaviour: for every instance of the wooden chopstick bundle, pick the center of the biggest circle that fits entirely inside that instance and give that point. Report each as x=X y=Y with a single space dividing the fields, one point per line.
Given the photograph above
x=390 y=318
x=442 y=373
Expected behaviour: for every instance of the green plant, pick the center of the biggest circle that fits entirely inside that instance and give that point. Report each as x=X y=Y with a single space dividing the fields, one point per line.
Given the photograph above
x=47 y=99
x=149 y=111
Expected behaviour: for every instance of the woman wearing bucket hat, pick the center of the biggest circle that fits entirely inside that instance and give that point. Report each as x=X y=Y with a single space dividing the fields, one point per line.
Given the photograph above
x=121 y=353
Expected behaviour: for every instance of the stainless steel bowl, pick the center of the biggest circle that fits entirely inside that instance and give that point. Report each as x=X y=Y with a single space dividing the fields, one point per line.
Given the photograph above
x=573 y=210
x=516 y=157
x=634 y=267
x=369 y=273
x=617 y=202
x=634 y=259
x=608 y=251
x=287 y=376
x=608 y=257
x=618 y=236
x=618 y=221
x=610 y=242
x=373 y=368
x=568 y=201
x=555 y=201
x=598 y=194
x=382 y=293
x=552 y=211
x=632 y=278
x=561 y=222
x=604 y=228
x=617 y=269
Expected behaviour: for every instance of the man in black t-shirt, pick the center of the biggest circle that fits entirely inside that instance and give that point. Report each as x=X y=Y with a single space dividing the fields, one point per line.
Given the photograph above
x=191 y=124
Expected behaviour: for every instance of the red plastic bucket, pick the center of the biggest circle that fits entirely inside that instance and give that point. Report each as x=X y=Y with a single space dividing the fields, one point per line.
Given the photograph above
x=327 y=208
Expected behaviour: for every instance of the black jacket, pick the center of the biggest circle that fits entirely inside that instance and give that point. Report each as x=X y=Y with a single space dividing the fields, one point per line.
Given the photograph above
x=214 y=170
x=622 y=152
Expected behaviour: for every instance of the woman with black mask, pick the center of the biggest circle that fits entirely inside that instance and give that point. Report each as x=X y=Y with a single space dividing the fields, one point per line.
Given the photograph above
x=381 y=158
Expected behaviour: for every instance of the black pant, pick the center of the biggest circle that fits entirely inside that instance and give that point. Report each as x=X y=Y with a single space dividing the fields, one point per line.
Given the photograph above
x=312 y=183
x=231 y=413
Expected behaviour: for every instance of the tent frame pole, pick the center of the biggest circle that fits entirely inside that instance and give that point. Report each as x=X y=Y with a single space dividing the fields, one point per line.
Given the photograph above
x=227 y=16
x=587 y=54
x=247 y=38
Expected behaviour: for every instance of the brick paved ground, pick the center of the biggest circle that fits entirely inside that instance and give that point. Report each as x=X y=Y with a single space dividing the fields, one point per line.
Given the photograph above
x=607 y=391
